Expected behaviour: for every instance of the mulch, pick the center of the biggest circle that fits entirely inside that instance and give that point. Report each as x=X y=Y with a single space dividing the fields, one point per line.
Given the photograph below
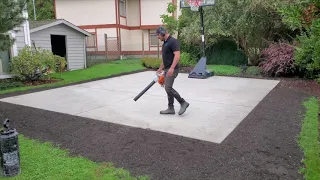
x=41 y=82
x=263 y=146
x=308 y=86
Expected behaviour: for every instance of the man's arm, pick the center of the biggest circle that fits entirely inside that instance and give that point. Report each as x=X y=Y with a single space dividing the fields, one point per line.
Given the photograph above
x=176 y=52
x=176 y=59
x=161 y=66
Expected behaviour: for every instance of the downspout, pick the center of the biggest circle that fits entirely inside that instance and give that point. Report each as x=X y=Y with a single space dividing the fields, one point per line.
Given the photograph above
x=26 y=29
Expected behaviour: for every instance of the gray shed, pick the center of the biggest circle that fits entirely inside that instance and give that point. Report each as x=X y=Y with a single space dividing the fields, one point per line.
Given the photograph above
x=61 y=37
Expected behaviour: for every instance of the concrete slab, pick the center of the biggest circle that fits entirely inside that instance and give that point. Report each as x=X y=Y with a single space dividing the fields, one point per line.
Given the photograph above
x=217 y=104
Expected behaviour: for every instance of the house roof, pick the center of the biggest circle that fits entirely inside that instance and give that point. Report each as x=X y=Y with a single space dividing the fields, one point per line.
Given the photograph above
x=43 y=24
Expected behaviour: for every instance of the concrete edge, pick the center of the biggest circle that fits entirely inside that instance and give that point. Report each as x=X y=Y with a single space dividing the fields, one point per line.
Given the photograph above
x=22 y=92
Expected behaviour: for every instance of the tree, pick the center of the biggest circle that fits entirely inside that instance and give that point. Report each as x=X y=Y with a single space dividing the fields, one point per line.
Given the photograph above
x=44 y=9
x=10 y=17
x=169 y=21
x=304 y=16
x=251 y=24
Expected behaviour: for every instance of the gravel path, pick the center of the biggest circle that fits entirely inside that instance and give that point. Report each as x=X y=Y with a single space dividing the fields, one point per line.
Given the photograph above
x=263 y=146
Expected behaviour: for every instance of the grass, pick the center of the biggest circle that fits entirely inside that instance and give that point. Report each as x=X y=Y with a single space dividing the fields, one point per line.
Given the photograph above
x=97 y=71
x=44 y=161
x=228 y=70
x=309 y=140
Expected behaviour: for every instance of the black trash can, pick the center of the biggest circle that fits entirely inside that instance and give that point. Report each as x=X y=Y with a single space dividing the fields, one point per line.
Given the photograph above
x=9 y=151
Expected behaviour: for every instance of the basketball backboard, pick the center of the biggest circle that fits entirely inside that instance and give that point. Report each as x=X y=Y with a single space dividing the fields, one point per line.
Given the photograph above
x=185 y=3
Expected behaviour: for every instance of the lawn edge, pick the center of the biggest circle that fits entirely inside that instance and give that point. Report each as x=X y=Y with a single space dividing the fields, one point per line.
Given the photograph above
x=308 y=139
x=67 y=154
x=38 y=89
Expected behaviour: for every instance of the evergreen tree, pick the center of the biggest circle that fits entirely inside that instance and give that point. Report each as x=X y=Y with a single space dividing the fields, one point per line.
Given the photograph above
x=10 y=17
x=44 y=9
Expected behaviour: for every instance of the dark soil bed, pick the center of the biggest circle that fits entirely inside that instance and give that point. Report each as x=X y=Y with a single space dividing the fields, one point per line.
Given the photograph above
x=308 y=86
x=40 y=82
x=263 y=146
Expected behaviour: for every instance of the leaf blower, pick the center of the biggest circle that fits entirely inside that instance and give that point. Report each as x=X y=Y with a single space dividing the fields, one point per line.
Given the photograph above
x=159 y=78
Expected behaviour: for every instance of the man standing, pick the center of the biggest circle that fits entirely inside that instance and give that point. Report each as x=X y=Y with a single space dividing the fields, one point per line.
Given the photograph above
x=170 y=65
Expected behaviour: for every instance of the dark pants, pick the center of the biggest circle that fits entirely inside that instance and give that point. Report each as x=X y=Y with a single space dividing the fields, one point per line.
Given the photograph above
x=172 y=93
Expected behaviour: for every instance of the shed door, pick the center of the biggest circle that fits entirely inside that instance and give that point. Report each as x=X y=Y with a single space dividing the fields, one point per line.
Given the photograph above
x=58 y=45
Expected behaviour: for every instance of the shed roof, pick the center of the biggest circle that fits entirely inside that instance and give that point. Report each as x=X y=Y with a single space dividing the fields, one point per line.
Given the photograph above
x=43 y=24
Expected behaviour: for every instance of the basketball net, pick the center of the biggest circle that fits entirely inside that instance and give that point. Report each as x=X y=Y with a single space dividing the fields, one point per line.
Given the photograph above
x=194 y=4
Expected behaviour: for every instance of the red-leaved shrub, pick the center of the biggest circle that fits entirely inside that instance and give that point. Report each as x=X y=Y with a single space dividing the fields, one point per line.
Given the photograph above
x=278 y=60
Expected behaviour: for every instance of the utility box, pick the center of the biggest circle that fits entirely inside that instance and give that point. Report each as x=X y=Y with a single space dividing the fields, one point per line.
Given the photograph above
x=9 y=151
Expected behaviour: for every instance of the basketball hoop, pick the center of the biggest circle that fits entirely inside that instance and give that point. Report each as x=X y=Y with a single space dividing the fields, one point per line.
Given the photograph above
x=195 y=4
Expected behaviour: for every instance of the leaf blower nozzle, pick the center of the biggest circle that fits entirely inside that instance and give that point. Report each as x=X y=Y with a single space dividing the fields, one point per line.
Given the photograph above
x=159 y=78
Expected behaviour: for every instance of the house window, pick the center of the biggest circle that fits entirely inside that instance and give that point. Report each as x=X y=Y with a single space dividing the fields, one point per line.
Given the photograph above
x=122 y=7
x=154 y=41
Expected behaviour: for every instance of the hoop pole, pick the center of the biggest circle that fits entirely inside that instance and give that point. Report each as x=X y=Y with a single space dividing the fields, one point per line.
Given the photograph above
x=202 y=32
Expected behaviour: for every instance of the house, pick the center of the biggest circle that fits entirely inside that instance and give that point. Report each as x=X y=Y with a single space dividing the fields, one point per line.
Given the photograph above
x=5 y=56
x=118 y=27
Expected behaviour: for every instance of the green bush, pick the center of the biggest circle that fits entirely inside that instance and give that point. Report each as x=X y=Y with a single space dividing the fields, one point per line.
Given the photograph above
x=304 y=18
x=31 y=64
x=307 y=54
x=60 y=62
x=225 y=52
x=186 y=60
x=151 y=62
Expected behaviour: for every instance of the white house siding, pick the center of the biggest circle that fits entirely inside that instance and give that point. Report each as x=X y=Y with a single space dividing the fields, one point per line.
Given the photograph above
x=151 y=11
x=86 y=12
x=76 y=54
x=20 y=39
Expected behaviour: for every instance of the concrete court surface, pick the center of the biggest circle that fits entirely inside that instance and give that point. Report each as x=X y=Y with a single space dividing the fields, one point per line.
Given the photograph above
x=217 y=104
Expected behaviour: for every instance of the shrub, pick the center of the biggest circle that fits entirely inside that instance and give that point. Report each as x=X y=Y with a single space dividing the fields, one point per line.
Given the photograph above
x=304 y=18
x=32 y=64
x=278 y=60
x=61 y=63
x=225 y=52
x=151 y=62
x=307 y=55
x=253 y=70
x=186 y=60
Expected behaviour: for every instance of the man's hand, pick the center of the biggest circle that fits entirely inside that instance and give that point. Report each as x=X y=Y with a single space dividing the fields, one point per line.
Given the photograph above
x=170 y=72
x=160 y=68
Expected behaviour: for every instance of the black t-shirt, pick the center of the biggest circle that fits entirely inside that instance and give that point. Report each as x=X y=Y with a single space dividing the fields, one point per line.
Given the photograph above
x=168 y=48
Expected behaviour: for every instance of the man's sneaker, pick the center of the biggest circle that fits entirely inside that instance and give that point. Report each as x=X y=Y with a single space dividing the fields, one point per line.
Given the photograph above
x=170 y=110
x=184 y=107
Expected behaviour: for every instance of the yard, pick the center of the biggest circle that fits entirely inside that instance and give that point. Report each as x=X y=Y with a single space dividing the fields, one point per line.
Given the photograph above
x=99 y=71
x=58 y=163
x=254 y=122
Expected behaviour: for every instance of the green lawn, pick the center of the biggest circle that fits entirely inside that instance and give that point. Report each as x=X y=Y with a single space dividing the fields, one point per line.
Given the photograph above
x=309 y=140
x=97 y=71
x=228 y=70
x=41 y=161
